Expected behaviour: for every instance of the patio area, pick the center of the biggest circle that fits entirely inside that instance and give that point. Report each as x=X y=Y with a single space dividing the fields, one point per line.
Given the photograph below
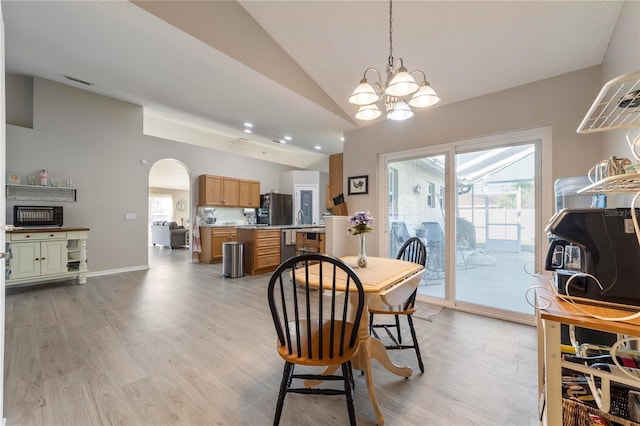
x=495 y=279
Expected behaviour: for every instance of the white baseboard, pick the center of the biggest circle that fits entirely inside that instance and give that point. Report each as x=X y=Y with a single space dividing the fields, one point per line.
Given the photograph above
x=117 y=271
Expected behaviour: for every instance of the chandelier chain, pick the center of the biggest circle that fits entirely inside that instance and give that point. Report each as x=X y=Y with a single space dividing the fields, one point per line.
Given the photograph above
x=390 y=64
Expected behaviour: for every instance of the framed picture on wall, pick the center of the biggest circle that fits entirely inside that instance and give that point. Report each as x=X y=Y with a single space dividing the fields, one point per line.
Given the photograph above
x=358 y=185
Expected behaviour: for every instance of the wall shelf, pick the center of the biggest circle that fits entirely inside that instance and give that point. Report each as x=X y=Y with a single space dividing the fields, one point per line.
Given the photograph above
x=40 y=193
x=629 y=182
x=616 y=106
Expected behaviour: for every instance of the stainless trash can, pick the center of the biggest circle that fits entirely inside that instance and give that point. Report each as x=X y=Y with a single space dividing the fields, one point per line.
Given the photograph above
x=232 y=259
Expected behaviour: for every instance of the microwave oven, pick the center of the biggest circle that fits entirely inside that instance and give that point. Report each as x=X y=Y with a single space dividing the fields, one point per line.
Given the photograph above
x=37 y=216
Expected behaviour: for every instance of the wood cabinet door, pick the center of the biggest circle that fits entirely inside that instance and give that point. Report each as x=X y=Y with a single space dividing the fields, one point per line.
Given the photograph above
x=231 y=192
x=335 y=177
x=216 y=246
x=220 y=236
x=211 y=190
x=249 y=193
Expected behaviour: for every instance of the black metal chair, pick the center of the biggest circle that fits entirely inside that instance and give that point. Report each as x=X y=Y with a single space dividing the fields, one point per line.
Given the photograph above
x=316 y=327
x=413 y=250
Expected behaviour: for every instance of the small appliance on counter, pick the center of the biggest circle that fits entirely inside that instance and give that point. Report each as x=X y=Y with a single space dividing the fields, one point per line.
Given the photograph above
x=599 y=242
x=250 y=216
x=207 y=214
x=38 y=216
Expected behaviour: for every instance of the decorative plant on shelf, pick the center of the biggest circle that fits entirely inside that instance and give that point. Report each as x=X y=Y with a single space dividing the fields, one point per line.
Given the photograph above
x=361 y=222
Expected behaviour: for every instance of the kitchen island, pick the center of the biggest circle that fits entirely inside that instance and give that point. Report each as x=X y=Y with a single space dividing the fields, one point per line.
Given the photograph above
x=265 y=247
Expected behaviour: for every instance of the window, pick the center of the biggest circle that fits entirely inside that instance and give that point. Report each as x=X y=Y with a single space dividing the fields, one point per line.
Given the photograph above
x=160 y=207
x=431 y=194
x=393 y=189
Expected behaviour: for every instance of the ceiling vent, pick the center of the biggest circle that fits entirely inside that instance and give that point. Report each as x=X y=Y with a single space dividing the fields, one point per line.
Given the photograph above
x=77 y=80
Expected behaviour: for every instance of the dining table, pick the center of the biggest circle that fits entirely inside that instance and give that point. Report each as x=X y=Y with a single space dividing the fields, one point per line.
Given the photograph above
x=393 y=280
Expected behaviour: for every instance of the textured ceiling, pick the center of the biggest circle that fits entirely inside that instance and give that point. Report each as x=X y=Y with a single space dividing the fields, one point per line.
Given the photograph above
x=201 y=69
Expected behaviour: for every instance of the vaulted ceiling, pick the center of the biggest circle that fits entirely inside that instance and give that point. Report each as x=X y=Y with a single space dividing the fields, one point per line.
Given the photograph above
x=202 y=69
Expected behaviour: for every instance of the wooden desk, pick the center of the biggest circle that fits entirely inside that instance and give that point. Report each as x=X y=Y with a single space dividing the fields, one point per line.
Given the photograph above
x=552 y=313
x=381 y=274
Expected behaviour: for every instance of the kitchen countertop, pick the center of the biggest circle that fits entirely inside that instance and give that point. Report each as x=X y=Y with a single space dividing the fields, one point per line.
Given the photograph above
x=27 y=230
x=306 y=228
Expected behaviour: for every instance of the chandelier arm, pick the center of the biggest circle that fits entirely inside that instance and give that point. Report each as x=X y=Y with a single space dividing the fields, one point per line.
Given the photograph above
x=377 y=72
x=424 y=76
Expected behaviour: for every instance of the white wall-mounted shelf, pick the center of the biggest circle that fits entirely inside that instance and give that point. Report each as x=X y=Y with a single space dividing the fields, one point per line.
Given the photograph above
x=616 y=106
x=40 y=193
x=629 y=182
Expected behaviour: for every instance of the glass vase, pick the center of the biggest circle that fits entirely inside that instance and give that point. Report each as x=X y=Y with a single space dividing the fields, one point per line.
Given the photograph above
x=362 y=255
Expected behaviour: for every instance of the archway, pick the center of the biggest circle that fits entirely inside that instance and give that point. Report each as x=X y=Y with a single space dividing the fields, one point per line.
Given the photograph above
x=169 y=198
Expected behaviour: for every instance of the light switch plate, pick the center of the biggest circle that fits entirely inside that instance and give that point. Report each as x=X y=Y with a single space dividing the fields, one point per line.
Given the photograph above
x=129 y=216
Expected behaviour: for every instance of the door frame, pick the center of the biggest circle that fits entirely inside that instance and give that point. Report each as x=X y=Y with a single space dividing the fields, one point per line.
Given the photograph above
x=544 y=204
x=315 y=199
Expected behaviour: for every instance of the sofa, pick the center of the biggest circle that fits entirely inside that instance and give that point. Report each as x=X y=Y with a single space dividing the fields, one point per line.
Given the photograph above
x=168 y=234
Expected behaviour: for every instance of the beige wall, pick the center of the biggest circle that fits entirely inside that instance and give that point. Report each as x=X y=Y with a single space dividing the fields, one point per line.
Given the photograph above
x=622 y=57
x=558 y=102
x=98 y=142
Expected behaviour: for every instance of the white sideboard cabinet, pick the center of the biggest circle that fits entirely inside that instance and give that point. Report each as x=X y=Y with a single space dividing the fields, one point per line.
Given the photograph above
x=40 y=255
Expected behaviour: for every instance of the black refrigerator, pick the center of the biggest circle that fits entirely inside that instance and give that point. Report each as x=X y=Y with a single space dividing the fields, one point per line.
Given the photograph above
x=275 y=209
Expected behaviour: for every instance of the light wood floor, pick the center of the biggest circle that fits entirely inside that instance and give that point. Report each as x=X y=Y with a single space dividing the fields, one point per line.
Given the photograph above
x=180 y=344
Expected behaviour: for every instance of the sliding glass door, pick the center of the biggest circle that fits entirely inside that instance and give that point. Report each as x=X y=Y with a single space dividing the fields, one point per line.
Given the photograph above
x=495 y=226
x=476 y=207
x=417 y=209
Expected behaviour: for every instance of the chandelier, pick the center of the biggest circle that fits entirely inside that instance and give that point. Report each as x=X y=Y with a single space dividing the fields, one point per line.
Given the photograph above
x=399 y=87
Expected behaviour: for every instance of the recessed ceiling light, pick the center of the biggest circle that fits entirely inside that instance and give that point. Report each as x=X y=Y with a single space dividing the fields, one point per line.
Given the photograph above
x=247 y=124
x=342 y=139
x=247 y=130
x=288 y=138
x=318 y=147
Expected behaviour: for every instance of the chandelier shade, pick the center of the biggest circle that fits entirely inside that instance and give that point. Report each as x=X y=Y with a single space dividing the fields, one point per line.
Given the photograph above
x=424 y=97
x=364 y=94
x=402 y=84
x=400 y=111
x=399 y=94
x=368 y=112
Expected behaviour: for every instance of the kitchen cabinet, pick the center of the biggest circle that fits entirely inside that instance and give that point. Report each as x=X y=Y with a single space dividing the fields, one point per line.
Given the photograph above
x=261 y=249
x=43 y=255
x=335 y=178
x=249 y=193
x=218 y=191
x=211 y=240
